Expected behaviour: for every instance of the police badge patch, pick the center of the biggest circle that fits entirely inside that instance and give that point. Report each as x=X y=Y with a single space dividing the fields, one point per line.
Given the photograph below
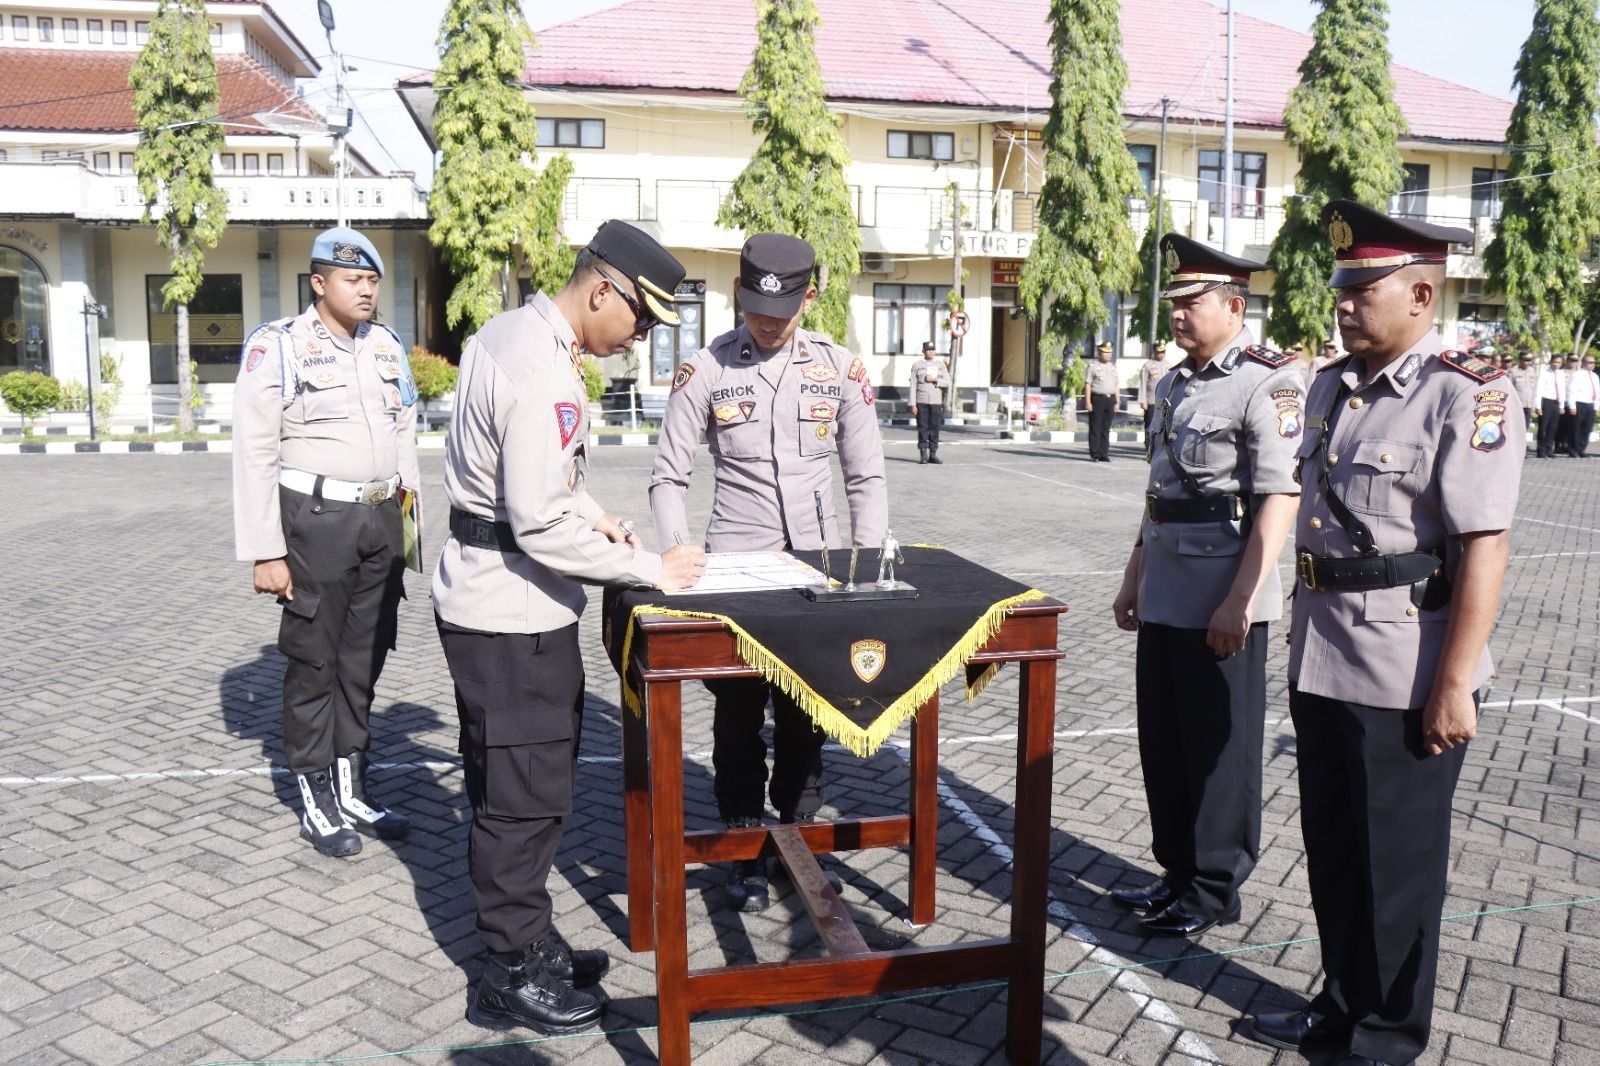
x=867 y=658
x=346 y=253
x=685 y=372
x=253 y=359
x=567 y=419
x=1490 y=415
x=868 y=393
x=771 y=284
x=747 y=408
x=1290 y=419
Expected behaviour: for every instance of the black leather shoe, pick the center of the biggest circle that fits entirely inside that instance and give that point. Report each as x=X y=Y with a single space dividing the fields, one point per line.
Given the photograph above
x=747 y=886
x=1301 y=1030
x=923 y=458
x=1152 y=897
x=1176 y=920
x=933 y=457
x=579 y=969
x=1362 y=1060
x=517 y=990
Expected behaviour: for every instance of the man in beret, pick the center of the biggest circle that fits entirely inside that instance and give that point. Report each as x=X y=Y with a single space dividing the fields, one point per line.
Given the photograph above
x=525 y=537
x=324 y=440
x=1410 y=470
x=776 y=404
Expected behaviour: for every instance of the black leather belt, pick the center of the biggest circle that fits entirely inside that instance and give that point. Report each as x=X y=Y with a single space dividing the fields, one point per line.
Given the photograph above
x=1365 y=572
x=477 y=532
x=1226 y=507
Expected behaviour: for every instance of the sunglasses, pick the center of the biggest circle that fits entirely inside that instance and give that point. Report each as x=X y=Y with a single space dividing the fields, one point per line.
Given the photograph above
x=644 y=321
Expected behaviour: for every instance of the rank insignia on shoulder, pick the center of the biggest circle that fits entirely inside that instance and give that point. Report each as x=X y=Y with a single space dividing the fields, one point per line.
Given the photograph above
x=867 y=658
x=685 y=372
x=745 y=354
x=567 y=419
x=858 y=370
x=1471 y=366
x=1408 y=369
x=1262 y=354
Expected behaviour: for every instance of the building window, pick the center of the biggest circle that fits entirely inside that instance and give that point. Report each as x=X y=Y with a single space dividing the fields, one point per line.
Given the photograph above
x=275 y=163
x=24 y=314
x=1486 y=192
x=216 y=34
x=903 y=316
x=1144 y=157
x=141 y=32
x=216 y=329
x=905 y=144
x=119 y=31
x=225 y=163
x=96 y=29
x=125 y=162
x=1249 y=182
x=4 y=155
x=252 y=163
x=1412 y=199
x=47 y=29
x=69 y=31
x=49 y=155
x=102 y=162
x=571 y=133
x=19 y=27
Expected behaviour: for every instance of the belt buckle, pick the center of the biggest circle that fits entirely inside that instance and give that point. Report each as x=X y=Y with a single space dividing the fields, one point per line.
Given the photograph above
x=1308 y=571
x=374 y=492
x=1150 y=508
x=1238 y=508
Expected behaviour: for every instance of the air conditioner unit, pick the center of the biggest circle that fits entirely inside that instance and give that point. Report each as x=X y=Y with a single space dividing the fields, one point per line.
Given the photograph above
x=1472 y=287
x=876 y=263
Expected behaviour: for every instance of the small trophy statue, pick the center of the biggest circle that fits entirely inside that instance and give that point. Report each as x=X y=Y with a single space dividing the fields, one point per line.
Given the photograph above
x=888 y=555
x=885 y=588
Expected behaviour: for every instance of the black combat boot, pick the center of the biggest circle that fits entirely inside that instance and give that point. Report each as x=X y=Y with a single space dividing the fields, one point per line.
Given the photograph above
x=747 y=881
x=363 y=812
x=924 y=456
x=577 y=968
x=517 y=990
x=320 y=819
x=933 y=457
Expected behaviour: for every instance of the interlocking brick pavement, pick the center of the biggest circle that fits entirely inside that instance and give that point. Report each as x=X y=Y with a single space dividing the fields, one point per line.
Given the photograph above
x=160 y=907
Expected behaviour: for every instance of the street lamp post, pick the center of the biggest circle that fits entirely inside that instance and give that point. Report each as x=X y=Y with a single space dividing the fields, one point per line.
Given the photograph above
x=96 y=311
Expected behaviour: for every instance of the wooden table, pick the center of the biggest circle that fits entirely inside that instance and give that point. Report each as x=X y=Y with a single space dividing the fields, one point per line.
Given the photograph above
x=667 y=651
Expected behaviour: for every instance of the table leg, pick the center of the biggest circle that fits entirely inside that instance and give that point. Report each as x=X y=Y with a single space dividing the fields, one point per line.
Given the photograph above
x=924 y=810
x=671 y=924
x=1031 y=861
x=636 y=828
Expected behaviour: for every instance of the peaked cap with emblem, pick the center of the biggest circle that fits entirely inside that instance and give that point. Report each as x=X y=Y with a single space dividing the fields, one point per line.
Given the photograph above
x=1198 y=268
x=654 y=271
x=342 y=246
x=1368 y=244
x=774 y=274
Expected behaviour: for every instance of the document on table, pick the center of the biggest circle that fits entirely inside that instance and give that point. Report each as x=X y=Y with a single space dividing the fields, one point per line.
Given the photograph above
x=754 y=572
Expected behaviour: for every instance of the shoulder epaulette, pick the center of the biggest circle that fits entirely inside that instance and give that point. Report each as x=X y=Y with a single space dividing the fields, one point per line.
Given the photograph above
x=1262 y=354
x=1471 y=366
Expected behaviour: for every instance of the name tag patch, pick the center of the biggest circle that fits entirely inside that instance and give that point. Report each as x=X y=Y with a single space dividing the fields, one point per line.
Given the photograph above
x=732 y=392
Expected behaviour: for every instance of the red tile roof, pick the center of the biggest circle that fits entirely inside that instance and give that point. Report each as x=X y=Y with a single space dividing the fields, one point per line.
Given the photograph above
x=82 y=91
x=979 y=53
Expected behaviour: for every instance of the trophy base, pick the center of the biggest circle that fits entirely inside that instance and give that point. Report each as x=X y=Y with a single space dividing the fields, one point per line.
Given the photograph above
x=870 y=591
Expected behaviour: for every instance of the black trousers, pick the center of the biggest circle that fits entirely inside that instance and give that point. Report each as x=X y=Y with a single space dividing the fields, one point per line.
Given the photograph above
x=1582 y=426
x=1549 y=420
x=1201 y=725
x=739 y=753
x=519 y=697
x=1375 y=814
x=929 y=417
x=348 y=568
x=1101 y=411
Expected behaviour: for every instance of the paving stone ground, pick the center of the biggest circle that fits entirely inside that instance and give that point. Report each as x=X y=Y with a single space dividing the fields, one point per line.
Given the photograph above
x=159 y=906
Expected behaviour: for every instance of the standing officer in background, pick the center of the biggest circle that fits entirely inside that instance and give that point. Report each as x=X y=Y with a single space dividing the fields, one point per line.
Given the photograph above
x=929 y=378
x=1410 y=470
x=1551 y=392
x=1100 y=386
x=1150 y=375
x=1201 y=585
x=324 y=437
x=525 y=536
x=1583 y=391
x=1524 y=380
x=775 y=403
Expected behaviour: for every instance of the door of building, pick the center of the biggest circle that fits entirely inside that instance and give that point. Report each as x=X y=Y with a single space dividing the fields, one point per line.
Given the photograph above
x=24 y=314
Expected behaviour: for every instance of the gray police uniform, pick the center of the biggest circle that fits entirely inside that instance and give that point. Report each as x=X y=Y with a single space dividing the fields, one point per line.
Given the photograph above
x=774 y=423
x=1224 y=438
x=1103 y=383
x=929 y=379
x=324 y=434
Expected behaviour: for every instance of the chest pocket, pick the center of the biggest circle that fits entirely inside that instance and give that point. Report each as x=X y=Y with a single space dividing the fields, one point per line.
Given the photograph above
x=1383 y=477
x=817 y=426
x=1200 y=439
x=326 y=394
x=740 y=439
x=393 y=379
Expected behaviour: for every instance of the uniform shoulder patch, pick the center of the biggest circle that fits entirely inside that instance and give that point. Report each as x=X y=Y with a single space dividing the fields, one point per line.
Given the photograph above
x=1471 y=366
x=681 y=378
x=1262 y=354
x=567 y=419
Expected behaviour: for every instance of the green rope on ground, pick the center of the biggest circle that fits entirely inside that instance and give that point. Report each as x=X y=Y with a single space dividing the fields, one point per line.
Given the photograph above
x=1059 y=978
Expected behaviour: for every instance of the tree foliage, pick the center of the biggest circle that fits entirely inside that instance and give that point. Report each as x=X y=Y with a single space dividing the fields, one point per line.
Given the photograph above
x=1343 y=120
x=1551 y=214
x=1085 y=246
x=175 y=102
x=795 y=182
x=1153 y=264
x=30 y=393
x=434 y=375
x=493 y=209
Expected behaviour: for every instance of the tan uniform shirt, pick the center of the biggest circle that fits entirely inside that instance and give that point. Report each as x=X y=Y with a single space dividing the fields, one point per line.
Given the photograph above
x=773 y=425
x=924 y=390
x=309 y=399
x=1425 y=453
x=518 y=453
x=1524 y=382
x=1236 y=425
x=1150 y=376
x=1102 y=378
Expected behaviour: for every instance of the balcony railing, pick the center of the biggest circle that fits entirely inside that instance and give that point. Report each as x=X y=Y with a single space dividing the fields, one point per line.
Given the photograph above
x=596 y=199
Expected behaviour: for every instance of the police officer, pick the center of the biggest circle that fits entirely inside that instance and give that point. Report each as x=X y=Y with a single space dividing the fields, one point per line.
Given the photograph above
x=1100 y=386
x=1410 y=469
x=929 y=378
x=1201 y=585
x=1524 y=379
x=775 y=403
x=324 y=439
x=1155 y=368
x=525 y=535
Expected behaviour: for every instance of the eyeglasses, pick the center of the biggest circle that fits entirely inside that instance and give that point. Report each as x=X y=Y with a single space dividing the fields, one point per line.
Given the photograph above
x=643 y=321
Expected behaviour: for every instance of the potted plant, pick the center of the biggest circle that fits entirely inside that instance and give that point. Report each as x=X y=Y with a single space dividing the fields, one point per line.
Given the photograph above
x=435 y=377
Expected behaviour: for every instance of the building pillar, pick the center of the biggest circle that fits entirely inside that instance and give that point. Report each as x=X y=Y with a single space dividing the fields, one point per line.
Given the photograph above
x=104 y=288
x=69 y=354
x=268 y=273
x=402 y=280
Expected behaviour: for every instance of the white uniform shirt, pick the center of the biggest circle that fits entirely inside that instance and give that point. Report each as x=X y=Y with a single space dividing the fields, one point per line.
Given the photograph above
x=1552 y=386
x=1582 y=387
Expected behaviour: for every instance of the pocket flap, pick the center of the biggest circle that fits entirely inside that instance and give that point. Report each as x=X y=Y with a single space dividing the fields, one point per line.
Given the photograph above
x=304 y=603
x=1388 y=455
x=1207 y=423
x=510 y=727
x=1208 y=542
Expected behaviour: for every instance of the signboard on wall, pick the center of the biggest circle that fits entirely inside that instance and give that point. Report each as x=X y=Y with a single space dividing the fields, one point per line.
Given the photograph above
x=1007 y=272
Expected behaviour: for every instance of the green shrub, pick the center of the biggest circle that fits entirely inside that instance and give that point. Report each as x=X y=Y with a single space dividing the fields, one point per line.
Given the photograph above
x=434 y=374
x=74 y=396
x=108 y=393
x=29 y=394
x=594 y=382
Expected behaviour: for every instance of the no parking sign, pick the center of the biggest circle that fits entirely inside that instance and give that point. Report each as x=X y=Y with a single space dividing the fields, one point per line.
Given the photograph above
x=960 y=322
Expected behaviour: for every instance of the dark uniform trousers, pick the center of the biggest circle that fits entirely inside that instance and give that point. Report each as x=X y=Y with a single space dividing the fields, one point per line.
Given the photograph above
x=1583 y=425
x=1375 y=813
x=1201 y=725
x=348 y=566
x=520 y=700
x=739 y=753
x=930 y=416
x=1549 y=422
x=1101 y=410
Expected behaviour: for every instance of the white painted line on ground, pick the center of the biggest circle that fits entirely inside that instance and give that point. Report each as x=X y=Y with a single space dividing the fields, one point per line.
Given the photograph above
x=1552 y=555
x=1559 y=525
x=1063 y=484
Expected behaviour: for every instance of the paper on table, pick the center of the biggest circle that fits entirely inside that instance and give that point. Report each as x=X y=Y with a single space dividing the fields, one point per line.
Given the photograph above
x=754 y=572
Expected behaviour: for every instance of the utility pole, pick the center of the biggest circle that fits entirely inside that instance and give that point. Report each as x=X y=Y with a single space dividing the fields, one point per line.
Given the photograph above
x=1155 y=220
x=1227 y=144
x=339 y=114
x=953 y=399
x=91 y=310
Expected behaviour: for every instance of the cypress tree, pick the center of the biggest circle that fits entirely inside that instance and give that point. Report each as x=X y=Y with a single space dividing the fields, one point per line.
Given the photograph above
x=1343 y=120
x=1154 y=265
x=492 y=207
x=795 y=182
x=1551 y=213
x=1085 y=246
x=175 y=96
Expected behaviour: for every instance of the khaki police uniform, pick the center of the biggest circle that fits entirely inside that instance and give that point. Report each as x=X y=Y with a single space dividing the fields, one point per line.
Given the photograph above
x=1150 y=376
x=324 y=434
x=1525 y=383
x=1103 y=383
x=929 y=379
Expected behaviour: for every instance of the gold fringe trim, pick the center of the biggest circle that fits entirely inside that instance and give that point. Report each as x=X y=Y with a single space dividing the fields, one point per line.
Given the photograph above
x=976 y=686
x=828 y=718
